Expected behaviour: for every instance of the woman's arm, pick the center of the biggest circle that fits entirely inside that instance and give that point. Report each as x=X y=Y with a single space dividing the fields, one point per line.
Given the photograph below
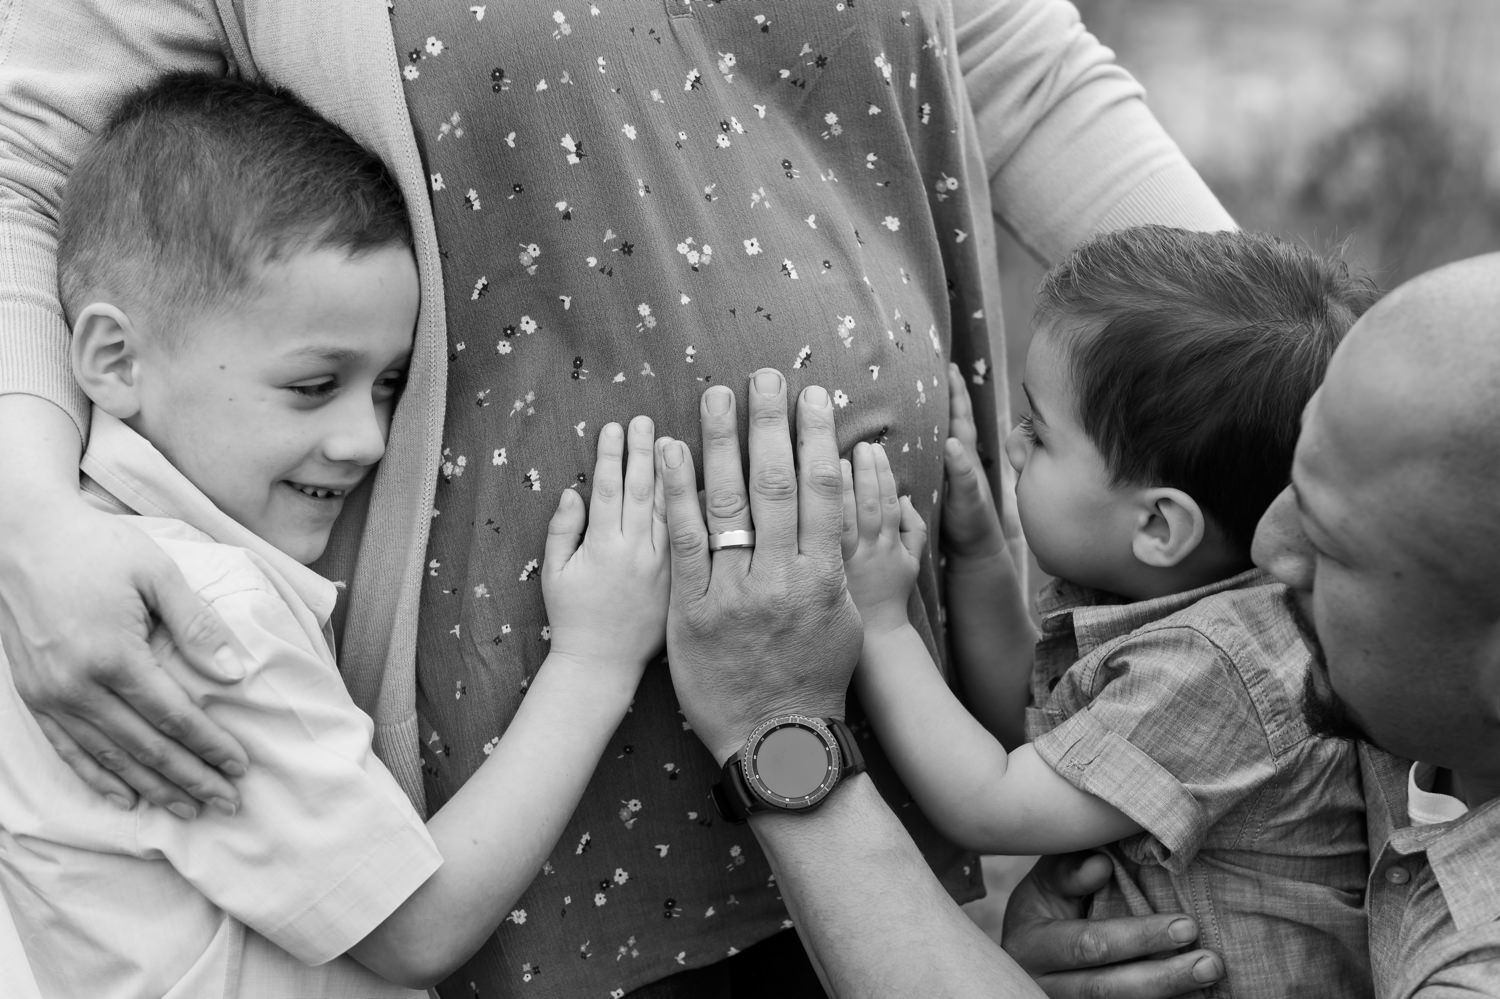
x=1068 y=142
x=78 y=589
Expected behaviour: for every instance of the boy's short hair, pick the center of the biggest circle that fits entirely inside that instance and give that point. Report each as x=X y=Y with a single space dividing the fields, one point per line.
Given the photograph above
x=1192 y=355
x=199 y=181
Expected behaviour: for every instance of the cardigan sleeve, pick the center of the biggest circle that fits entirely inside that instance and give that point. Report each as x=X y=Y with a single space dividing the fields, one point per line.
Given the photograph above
x=1068 y=142
x=64 y=66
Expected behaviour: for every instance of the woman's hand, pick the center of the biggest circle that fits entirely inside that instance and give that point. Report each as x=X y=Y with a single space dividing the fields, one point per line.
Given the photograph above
x=606 y=591
x=81 y=595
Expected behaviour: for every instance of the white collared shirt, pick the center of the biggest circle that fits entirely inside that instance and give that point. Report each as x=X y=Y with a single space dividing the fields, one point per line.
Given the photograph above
x=112 y=904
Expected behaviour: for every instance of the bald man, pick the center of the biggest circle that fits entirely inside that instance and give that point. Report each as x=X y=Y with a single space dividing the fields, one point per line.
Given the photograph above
x=1389 y=537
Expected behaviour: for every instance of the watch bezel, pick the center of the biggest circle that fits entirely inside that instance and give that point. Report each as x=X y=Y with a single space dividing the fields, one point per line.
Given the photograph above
x=833 y=759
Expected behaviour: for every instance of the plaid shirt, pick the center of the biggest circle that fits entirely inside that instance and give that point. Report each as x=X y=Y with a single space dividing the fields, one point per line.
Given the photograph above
x=1184 y=712
x=1434 y=893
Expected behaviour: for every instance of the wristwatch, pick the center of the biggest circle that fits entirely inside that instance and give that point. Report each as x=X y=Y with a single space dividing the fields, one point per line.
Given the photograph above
x=790 y=763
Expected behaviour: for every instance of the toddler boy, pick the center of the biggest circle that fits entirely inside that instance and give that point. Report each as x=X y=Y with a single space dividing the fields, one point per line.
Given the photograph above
x=1165 y=382
x=239 y=277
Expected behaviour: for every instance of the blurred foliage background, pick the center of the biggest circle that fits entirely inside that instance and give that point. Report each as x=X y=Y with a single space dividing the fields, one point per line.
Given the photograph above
x=1371 y=124
x=1367 y=122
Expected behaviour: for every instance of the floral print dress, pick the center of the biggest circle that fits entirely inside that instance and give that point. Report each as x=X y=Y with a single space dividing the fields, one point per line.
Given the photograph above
x=635 y=200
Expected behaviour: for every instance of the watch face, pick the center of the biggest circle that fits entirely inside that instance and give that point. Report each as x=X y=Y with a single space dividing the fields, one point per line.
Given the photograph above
x=793 y=762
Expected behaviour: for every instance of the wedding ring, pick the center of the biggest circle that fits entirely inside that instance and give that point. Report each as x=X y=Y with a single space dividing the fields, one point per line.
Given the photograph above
x=731 y=539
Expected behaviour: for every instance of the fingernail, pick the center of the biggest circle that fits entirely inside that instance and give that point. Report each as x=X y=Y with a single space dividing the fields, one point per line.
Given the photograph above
x=815 y=395
x=232 y=768
x=224 y=805
x=767 y=381
x=227 y=663
x=716 y=400
x=1206 y=970
x=1182 y=931
x=184 y=812
x=120 y=801
x=672 y=454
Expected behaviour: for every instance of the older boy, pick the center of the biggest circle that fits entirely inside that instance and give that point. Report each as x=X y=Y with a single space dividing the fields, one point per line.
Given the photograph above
x=239 y=277
x=1165 y=382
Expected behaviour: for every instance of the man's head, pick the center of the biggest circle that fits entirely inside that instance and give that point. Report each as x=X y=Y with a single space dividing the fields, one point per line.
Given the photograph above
x=239 y=277
x=1182 y=361
x=1389 y=534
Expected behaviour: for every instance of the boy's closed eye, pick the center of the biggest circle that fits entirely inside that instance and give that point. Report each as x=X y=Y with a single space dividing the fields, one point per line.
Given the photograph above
x=1028 y=430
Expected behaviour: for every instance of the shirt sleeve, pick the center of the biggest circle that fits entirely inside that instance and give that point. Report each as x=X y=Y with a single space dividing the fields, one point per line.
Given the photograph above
x=64 y=66
x=1069 y=145
x=1169 y=736
x=325 y=844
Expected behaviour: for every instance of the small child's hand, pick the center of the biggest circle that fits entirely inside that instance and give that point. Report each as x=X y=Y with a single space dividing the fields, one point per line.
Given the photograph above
x=971 y=523
x=606 y=592
x=883 y=540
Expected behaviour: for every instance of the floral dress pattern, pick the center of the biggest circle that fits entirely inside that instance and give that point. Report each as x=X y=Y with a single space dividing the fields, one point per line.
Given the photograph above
x=634 y=200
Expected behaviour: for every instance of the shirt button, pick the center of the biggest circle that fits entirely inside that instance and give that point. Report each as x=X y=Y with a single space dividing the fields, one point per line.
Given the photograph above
x=1397 y=875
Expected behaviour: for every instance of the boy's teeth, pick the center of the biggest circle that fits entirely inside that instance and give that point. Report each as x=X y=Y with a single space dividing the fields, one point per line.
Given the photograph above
x=317 y=493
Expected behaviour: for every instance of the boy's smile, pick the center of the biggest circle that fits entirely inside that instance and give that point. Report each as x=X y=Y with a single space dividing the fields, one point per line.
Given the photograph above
x=278 y=409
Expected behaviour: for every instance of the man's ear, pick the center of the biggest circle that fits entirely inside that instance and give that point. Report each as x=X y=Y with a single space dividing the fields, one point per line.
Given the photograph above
x=105 y=354
x=1169 y=527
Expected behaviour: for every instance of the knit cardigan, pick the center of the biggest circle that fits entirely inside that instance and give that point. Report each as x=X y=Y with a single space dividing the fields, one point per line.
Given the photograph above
x=1067 y=141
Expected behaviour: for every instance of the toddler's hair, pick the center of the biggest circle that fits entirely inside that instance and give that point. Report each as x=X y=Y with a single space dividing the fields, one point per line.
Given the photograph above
x=199 y=181
x=1192 y=355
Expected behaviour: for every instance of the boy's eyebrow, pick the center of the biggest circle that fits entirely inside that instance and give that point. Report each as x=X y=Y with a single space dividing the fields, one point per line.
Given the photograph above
x=335 y=355
x=1036 y=413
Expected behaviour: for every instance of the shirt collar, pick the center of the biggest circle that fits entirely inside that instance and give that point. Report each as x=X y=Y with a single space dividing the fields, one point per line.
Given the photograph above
x=1095 y=617
x=125 y=470
x=1463 y=853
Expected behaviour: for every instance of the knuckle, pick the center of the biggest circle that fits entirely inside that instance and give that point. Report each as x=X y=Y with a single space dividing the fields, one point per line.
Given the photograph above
x=824 y=476
x=152 y=755
x=775 y=482
x=112 y=760
x=768 y=417
x=1090 y=948
x=174 y=725
x=606 y=488
x=724 y=502
x=201 y=629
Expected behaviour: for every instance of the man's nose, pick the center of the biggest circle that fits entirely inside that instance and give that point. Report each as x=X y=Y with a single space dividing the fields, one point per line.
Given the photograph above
x=1280 y=546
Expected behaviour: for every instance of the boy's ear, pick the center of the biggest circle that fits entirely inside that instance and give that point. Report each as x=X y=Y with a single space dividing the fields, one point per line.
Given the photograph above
x=105 y=354
x=1169 y=527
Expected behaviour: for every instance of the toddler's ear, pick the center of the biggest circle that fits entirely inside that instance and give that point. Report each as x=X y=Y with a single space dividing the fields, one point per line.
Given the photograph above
x=104 y=354
x=1169 y=527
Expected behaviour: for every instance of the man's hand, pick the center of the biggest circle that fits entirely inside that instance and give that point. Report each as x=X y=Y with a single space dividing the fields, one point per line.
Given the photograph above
x=80 y=593
x=1072 y=957
x=756 y=632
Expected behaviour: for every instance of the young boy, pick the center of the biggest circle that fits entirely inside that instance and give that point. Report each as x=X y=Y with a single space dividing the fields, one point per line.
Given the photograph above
x=1165 y=383
x=239 y=277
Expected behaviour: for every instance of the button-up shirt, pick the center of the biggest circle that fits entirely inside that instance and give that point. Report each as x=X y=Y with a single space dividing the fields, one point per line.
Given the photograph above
x=1184 y=712
x=111 y=903
x=1434 y=892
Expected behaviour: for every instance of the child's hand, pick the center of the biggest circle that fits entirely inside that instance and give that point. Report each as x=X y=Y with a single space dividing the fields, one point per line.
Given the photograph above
x=607 y=596
x=971 y=524
x=883 y=540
